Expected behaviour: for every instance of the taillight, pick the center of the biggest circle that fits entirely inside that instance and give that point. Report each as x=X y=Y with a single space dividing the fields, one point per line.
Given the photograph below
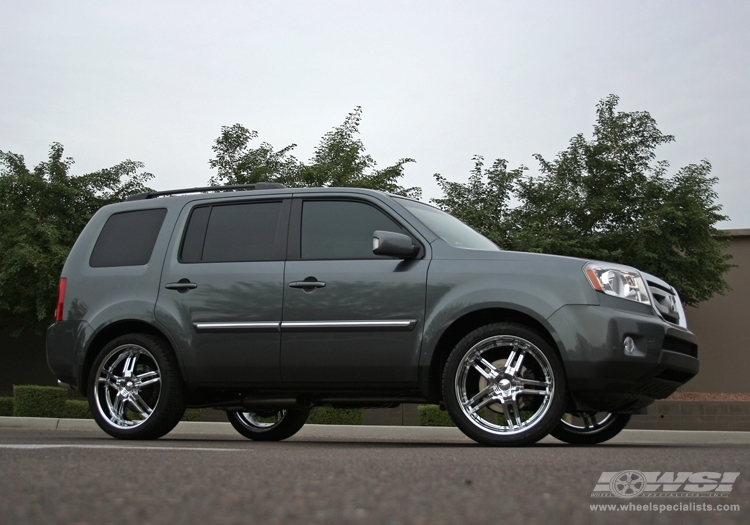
x=60 y=299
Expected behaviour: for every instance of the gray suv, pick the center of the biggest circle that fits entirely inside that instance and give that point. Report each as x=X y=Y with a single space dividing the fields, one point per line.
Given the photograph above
x=266 y=301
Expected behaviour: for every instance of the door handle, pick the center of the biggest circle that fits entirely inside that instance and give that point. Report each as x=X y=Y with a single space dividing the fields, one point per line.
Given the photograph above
x=182 y=286
x=307 y=284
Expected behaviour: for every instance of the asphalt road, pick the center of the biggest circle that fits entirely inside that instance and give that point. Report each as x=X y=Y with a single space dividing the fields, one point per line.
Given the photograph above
x=84 y=477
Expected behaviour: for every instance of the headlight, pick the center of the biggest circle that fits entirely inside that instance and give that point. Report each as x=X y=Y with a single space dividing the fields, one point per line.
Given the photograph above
x=619 y=281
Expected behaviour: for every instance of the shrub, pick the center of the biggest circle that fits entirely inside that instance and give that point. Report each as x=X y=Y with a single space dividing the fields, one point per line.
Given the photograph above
x=192 y=414
x=336 y=416
x=77 y=409
x=6 y=406
x=39 y=401
x=432 y=416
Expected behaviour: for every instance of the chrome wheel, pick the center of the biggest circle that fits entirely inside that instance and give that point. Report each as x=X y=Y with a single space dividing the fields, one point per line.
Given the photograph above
x=135 y=387
x=589 y=428
x=268 y=425
x=128 y=386
x=586 y=421
x=261 y=421
x=503 y=384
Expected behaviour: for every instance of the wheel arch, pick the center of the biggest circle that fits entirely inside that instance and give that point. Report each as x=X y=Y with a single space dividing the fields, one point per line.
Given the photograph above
x=107 y=334
x=460 y=327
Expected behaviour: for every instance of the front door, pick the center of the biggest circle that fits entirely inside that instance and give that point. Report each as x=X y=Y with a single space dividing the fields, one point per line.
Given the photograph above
x=350 y=317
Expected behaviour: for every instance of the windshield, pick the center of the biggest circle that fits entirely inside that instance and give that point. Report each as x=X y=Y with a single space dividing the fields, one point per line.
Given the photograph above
x=447 y=227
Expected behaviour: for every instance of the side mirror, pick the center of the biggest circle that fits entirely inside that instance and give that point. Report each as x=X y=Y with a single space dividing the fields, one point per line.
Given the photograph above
x=393 y=244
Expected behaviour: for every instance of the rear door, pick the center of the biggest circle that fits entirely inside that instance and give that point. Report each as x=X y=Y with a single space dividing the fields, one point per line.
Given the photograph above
x=350 y=317
x=222 y=287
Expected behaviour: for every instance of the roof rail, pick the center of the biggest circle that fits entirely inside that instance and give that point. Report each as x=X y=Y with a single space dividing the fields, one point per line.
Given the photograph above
x=257 y=186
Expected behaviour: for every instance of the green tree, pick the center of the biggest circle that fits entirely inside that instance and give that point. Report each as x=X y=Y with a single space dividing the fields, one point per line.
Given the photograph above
x=237 y=162
x=42 y=211
x=339 y=160
x=609 y=199
x=484 y=202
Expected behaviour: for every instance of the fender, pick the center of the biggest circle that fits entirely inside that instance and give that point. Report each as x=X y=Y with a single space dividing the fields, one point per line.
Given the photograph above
x=531 y=284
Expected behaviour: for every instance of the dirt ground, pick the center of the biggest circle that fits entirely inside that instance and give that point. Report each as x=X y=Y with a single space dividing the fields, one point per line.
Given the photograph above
x=708 y=396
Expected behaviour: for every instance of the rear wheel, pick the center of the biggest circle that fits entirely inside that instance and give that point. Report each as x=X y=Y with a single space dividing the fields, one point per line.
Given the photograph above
x=589 y=428
x=504 y=385
x=135 y=388
x=268 y=425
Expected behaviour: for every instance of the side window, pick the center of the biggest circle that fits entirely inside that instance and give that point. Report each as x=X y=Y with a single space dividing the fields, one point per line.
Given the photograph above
x=341 y=229
x=127 y=238
x=232 y=233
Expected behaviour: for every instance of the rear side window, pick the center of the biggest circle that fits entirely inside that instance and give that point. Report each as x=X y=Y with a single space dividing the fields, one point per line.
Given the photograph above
x=128 y=238
x=232 y=233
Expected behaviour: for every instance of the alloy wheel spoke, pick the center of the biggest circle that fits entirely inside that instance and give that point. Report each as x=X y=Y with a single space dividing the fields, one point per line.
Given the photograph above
x=506 y=404
x=479 y=395
x=118 y=407
x=531 y=391
x=512 y=368
x=533 y=382
x=146 y=375
x=476 y=408
x=129 y=365
x=111 y=368
x=140 y=406
x=485 y=368
x=516 y=412
x=149 y=382
x=108 y=378
x=588 y=421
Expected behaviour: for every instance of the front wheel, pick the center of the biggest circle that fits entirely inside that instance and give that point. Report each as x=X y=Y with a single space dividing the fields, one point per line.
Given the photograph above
x=268 y=425
x=504 y=385
x=589 y=428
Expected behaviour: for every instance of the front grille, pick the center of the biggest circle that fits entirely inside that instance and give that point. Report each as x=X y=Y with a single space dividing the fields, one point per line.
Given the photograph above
x=673 y=344
x=665 y=302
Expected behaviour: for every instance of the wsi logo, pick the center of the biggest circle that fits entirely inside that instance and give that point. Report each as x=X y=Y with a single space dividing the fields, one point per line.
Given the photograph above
x=634 y=484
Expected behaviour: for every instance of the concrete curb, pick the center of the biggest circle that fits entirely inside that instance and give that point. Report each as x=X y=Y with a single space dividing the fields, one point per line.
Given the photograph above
x=626 y=437
x=215 y=428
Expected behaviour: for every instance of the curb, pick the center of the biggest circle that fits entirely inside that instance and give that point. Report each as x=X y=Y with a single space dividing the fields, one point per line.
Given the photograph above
x=626 y=437
x=216 y=428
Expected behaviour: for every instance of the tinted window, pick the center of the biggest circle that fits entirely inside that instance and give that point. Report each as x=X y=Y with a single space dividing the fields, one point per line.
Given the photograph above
x=192 y=245
x=128 y=238
x=341 y=229
x=448 y=228
x=233 y=233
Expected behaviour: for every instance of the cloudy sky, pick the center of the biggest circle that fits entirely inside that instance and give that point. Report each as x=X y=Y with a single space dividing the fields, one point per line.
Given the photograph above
x=438 y=81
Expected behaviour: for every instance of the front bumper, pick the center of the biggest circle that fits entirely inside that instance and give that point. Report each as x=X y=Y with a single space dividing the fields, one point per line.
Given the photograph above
x=601 y=376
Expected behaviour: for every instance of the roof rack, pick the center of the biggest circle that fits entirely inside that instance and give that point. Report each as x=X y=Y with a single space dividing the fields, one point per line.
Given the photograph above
x=257 y=186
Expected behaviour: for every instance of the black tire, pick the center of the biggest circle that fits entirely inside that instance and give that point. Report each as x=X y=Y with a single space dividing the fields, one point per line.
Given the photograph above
x=504 y=385
x=589 y=428
x=268 y=425
x=135 y=388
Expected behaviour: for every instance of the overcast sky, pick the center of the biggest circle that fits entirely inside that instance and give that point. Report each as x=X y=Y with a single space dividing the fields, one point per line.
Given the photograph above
x=438 y=81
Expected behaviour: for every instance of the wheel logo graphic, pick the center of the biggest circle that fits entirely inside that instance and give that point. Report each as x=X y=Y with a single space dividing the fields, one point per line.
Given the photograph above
x=628 y=484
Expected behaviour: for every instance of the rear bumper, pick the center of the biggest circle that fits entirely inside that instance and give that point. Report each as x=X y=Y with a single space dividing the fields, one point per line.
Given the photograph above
x=65 y=341
x=601 y=376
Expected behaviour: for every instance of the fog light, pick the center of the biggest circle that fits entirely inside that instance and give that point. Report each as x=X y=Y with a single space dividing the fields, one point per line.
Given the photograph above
x=629 y=345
